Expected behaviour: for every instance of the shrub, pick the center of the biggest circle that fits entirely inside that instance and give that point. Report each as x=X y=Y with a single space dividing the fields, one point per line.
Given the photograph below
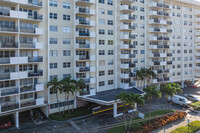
x=196 y=105
x=193 y=127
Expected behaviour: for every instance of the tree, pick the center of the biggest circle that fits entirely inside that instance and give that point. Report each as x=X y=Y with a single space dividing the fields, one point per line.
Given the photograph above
x=80 y=85
x=170 y=90
x=55 y=86
x=151 y=91
x=129 y=99
x=150 y=74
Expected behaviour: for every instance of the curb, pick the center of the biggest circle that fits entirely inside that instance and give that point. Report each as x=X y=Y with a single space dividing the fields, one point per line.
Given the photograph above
x=194 y=110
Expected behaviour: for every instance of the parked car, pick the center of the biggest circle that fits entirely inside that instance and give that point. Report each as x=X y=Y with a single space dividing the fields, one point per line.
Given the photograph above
x=192 y=97
x=180 y=100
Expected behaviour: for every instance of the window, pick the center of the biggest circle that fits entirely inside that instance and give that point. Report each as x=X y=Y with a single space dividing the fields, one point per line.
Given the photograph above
x=101 y=62
x=110 y=72
x=110 y=2
x=66 y=17
x=110 y=42
x=53 y=15
x=53 y=41
x=101 y=31
x=110 y=22
x=66 y=53
x=66 y=75
x=101 y=42
x=53 y=28
x=110 y=52
x=53 y=65
x=66 y=64
x=53 y=3
x=110 y=12
x=66 y=41
x=52 y=77
x=102 y=83
x=110 y=82
x=66 y=5
x=102 y=1
x=142 y=51
x=101 y=21
x=101 y=52
x=66 y=29
x=101 y=73
x=101 y=11
x=110 y=32
x=53 y=52
x=110 y=62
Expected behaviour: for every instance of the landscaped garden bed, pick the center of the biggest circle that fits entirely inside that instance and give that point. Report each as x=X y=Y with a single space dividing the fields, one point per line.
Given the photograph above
x=158 y=120
x=195 y=106
x=192 y=128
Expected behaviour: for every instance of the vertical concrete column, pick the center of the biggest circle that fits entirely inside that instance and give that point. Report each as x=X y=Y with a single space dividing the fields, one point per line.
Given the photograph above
x=182 y=84
x=16 y=115
x=115 y=110
x=75 y=103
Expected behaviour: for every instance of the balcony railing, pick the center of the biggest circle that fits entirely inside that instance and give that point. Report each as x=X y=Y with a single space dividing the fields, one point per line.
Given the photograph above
x=9 y=91
x=169 y=62
x=84 y=69
x=4 y=76
x=8 y=29
x=28 y=103
x=27 y=45
x=169 y=54
x=35 y=59
x=35 y=3
x=5 y=60
x=8 y=45
x=132 y=65
x=8 y=107
x=35 y=73
x=27 y=88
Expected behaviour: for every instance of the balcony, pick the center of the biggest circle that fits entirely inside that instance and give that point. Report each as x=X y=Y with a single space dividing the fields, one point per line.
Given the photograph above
x=127 y=56
x=31 y=31
x=127 y=85
x=160 y=38
x=35 y=4
x=158 y=55
x=169 y=54
x=31 y=45
x=86 y=23
x=158 y=63
x=35 y=59
x=127 y=8
x=128 y=1
x=84 y=11
x=9 y=107
x=156 y=5
x=197 y=12
x=13 y=60
x=127 y=46
x=127 y=37
x=28 y=103
x=155 y=21
x=126 y=27
x=197 y=33
x=158 y=13
x=197 y=60
x=159 y=47
x=124 y=66
x=197 y=19
x=80 y=34
x=85 y=2
x=85 y=58
x=35 y=73
x=85 y=46
x=89 y=80
x=197 y=40
x=83 y=69
x=13 y=75
x=197 y=47
x=126 y=17
x=197 y=54
x=124 y=76
x=197 y=26
x=169 y=62
x=9 y=91
x=163 y=71
x=8 y=45
x=6 y=29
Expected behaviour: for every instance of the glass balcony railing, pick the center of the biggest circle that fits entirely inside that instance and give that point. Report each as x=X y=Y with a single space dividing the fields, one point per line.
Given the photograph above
x=9 y=107
x=27 y=88
x=35 y=73
x=8 y=45
x=9 y=91
x=35 y=59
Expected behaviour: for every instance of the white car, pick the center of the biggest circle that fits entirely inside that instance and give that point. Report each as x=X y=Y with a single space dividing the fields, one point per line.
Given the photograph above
x=180 y=100
x=192 y=97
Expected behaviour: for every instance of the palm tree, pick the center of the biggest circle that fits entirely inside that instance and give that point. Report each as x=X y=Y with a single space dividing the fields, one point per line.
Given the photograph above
x=151 y=91
x=55 y=87
x=129 y=99
x=132 y=100
x=80 y=85
x=123 y=98
x=150 y=74
x=171 y=89
x=139 y=77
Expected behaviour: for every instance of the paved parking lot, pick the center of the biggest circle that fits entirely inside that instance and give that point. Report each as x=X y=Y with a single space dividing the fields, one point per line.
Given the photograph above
x=100 y=121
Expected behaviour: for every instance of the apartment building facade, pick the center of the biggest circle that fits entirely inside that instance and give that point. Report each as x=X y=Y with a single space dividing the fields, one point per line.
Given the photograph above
x=103 y=42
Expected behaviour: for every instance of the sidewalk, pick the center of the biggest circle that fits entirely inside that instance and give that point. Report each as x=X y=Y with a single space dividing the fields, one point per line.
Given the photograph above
x=170 y=127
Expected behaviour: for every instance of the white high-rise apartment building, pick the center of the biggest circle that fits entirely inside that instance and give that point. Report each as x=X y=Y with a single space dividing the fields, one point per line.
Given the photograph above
x=103 y=42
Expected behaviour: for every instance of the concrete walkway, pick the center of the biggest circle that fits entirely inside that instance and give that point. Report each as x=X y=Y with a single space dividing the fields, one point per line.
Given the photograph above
x=170 y=127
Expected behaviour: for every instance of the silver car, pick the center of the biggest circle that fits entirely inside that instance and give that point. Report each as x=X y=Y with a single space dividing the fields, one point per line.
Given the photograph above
x=192 y=97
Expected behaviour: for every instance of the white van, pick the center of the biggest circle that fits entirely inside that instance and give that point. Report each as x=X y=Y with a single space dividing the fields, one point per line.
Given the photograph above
x=180 y=100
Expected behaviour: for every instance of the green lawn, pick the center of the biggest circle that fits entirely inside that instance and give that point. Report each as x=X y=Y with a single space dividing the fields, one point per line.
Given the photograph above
x=76 y=113
x=120 y=127
x=196 y=106
x=193 y=127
